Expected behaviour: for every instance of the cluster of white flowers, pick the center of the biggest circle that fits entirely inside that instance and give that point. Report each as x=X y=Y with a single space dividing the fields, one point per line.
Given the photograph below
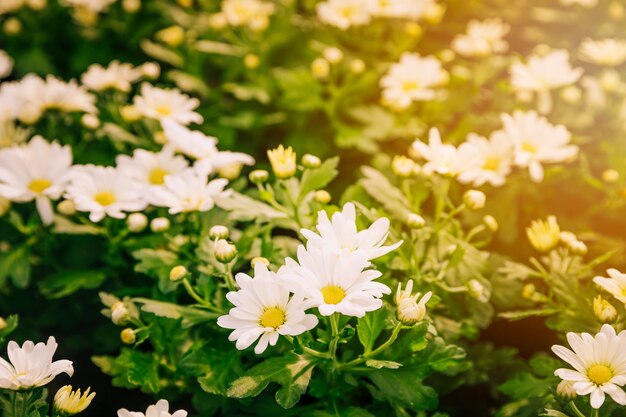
x=527 y=140
x=344 y=14
x=414 y=78
x=253 y=14
x=483 y=38
x=607 y=52
x=43 y=171
x=332 y=273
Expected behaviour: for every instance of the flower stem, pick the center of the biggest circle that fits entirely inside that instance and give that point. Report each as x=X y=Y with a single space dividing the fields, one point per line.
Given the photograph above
x=576 y=410
x=197 y=297
x=334 y=326
x=379 y=349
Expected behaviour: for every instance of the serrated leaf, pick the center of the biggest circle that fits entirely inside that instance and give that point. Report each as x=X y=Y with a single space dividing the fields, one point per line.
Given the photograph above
x=65 y=283
x=16 y=265
x=370 y=326
x=242 y=207
x=383 y=191
x=404 y=387
x=300 y=375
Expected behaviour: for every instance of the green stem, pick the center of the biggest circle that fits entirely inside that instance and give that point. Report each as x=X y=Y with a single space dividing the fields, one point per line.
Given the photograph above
x=230 y=280
x=197 y=297
x=308 y=350
x=381 y=348
x=334 y=326
x=595 y=412
x=575 y=409
x=13 y=402
x=25 y=398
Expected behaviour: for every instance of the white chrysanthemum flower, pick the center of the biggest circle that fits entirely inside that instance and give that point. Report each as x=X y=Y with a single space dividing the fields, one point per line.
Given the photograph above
x=341 y=233
x=31 y=365
x=263 y=308
x=490 y=160
x=93 y=6
x=414 y=78
x=345 y=13
x=536 y=141
x=615 y=285
x=607 y=52
x=252 y=13
x=150 y=168
x=104 y=191
x=68 y=402
x=6 y=64
x=540 y=73
x=482 y=38
x=189 y=190
x=201 y=147
x=441 y=158
x=401 y=9
x=117 y=76
x=66 y=96
x=334 y=282
x=160 y=409
x=36 y=171
x=599 y=364
x=158 y=103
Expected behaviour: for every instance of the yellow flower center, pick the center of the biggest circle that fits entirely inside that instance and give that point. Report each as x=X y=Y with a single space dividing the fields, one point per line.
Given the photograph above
x=157 y=176
x=39 y=185
x=163 y=109
x=409 y=85
x=347 y=12
x=333 y=294
x=492 y=163
x=529 y=147
x=599 y=374
x=272 y=317
x=104 y=198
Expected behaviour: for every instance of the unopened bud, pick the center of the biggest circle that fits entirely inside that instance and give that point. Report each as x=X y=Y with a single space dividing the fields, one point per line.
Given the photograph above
x=610 y=80
x=333 y=55
x=357 y=66
x=218 y=21
x=219 y=232
x=261 y=259
x=415 y=221
x=311 y=161
x=258 y=176
x=130 y=113
x=571 y=94
x=410 y=309
x=402 y=166
x=322 y=196
x=90 y=121
x=610 y=176
x=565 y=390
x=128 y=336
x=320 y=68
x=474 y=199
x=150 y=70
x=178 y=273
x=251 y=61
x=119 y=313
x=172 y=36
x=137 y=222
x=283 y=161
x=224 y=251
x=490 y=223
x=478 y=291
x=230 y=171
x=435 y=13
x=12 y=26
x=131 y=6
x=5 y=206
x=160 y=224
x=3 y=323
x=604 y=311
x=413 y=29
x=67 y=402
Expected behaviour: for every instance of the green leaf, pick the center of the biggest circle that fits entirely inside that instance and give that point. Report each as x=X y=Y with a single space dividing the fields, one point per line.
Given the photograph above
x=369 y=328
x=318 y=178
x=296 y=385
x=157 y=263
x=524 y=385
x=16 y=265
x=549 y=412
x=301 y=91
x=374 y=363
x=65 y=283
x=242 y=208
x=161 y=53
x=381 y=190
x=63 y=225
x=518 y=315
x=141 y=369
x=189 y=315
x=404 y=387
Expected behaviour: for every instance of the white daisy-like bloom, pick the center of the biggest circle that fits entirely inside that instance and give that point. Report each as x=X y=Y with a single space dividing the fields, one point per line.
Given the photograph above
x=264 y=309
x=584 y=3
x=94 y=6
x=615 y=285
x=189 y=190
x=160 y=409
x=401 y=9
x=414 y=78
x=38 y=171
x=599 y=364
x=334 y=281
x=490 y=161
x=158 y=103
x=6 y=64
x=31 y=365
x=252 y=13
x=340 y=233
x=201 y=147
x=10 y=133
x=116 y=76
x=442 y=158
x=482 y=38
x=105 y=191
x=536 y=141
x=608 y=52
x=66 y=96
x=151 y=168
x=345 y=13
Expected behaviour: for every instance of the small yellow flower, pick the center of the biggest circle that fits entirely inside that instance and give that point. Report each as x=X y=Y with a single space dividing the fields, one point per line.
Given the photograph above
x=68 y=402
x=283 y=161
x=544 y=235
x=128 y=336
x=178 y=272
x=172 y=36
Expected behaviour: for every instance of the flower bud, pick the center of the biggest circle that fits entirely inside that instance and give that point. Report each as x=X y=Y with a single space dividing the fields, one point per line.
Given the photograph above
x=128 y=336
x=5 y=206
x=447 y=55
x=12 y=26
x=119 y=313
x=413 y=29
x=333 y=55
x=283 y=161
x=402 y=166
x=230 y=171
x=311 y=161
x=409 y=310
x=130 y=113
x=172 y=36
x=178 y=273
x=577 y=247
x=258 y=176
x=150 y=70
x=218 y=21
x=219 y=232
x=261 y=259
x=415 y=221
x=610 y=176
x=490 y=223
x=357 y=66
x=616 y=10
x=474 y=199
x=571 y=94
x=320 y=68
x=434 y=13
x=604 y=311
x=68 y=402
x=131 y=6
x=251 y=61
x=160 y=224
x=565 y=390
x=137 y=222
x=224 y=251
x=3 y=323
x=544 y=235
x=478 y=291
x=90 y=121
x=322 y=196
